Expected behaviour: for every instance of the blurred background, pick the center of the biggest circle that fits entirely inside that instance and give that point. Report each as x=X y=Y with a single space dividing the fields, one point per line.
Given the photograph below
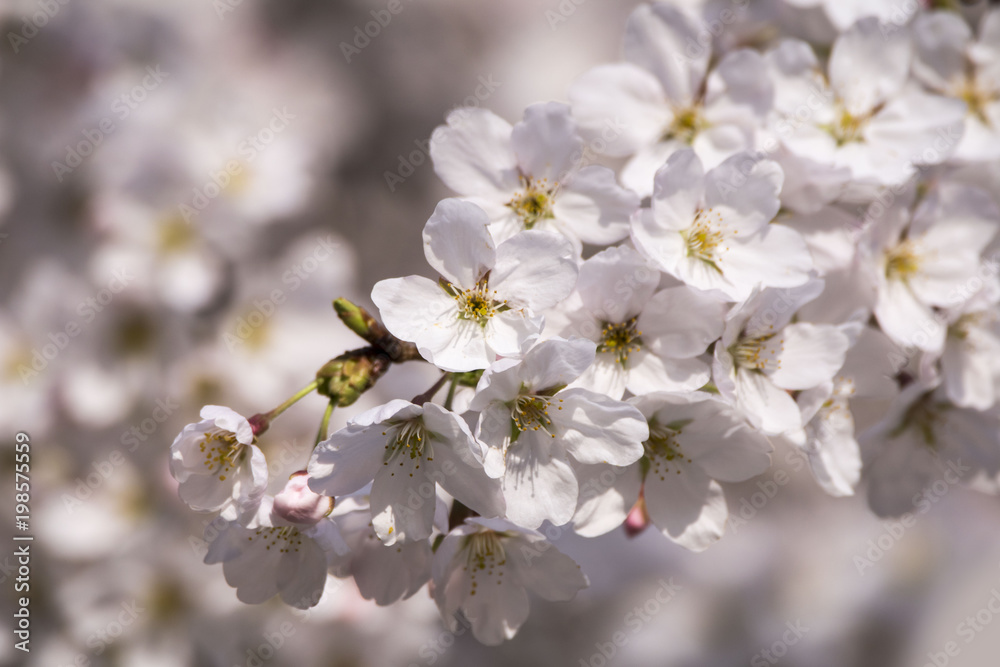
x=184 y=188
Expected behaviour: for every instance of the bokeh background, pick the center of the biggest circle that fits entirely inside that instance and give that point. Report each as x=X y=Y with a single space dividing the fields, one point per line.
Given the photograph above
x=121 y=313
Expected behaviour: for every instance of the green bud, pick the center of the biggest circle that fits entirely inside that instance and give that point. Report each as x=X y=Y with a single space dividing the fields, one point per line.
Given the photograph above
x=345 y=378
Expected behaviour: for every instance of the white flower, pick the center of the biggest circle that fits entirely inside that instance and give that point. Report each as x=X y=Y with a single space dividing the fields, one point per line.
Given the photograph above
x=970 y=362
x=950 y=62
x=695 y=441
x=217 y=466
x=488 y=300
x=869 y=126
x=531 y=175
x=406 y=449
x=385 y=574
x=923 y=437
x=828 y=437
x=712 y=230
x=646 y=340
x=761 y=356
x=274 y=556
x=844 y=13
x=533 y=424
x=661 y=101
x=927 y=260
x=484 y=569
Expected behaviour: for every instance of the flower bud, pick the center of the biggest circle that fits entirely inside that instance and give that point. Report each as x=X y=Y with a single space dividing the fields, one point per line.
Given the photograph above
x=348 y=376
x=297 y=503
x=637 y=519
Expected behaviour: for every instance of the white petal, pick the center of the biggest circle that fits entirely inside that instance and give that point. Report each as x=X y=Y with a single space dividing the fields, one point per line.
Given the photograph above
x=534 y=268
x=739 y=89
x=606 y=376
x=539 y=484
x=394 y=516
x=348 y=460
x=597 y=429
x=416 y=309
x=807 y=355
x=664 y=41
x=616 y=284
x=743 y=191
x=925 y=128
x=622 y=104
x=556 y=363
x=867 y=67
x=648 y=372
x=766 y=406
x=229 y=420
x=905 y=320
x=778 y=257
x=679 y=322
x=639 y=173
x=607 y=494
x=457 y=243
x=547 y=142
x=594 y=207
x=473 y=154
x=688 y=507
x=940 y=40
x=547 y=572
x=679 y=192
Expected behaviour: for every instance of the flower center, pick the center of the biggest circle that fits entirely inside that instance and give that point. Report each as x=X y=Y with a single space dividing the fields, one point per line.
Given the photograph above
x=620 y=339
x=478 y=304
x=704 y=238
x=286 y=538
x=410 y=438
x=222 y=452
x=531 y=413
x=924 y=416
x=662 y=448
x=755 y=354
x=963 y=326
x=977 y=98
x=847 y=127
x=534 y=203
x=902 y=261
x=686 y=125
x=485 y=548
x=486 y=558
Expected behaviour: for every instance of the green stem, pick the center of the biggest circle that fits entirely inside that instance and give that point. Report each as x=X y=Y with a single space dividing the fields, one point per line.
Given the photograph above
x=298 y=396
x=451 y=392
x=324 y=425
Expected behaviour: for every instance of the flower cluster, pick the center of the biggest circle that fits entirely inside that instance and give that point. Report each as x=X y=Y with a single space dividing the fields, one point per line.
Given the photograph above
x=770 y=247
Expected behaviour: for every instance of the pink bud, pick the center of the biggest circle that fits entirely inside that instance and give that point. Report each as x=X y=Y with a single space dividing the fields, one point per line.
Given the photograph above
x=637 y=519
x=298 y=503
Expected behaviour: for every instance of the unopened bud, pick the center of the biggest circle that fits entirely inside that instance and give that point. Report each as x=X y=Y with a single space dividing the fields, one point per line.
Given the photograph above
x=297 y=503
x=637 y=519
x=345 y=378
